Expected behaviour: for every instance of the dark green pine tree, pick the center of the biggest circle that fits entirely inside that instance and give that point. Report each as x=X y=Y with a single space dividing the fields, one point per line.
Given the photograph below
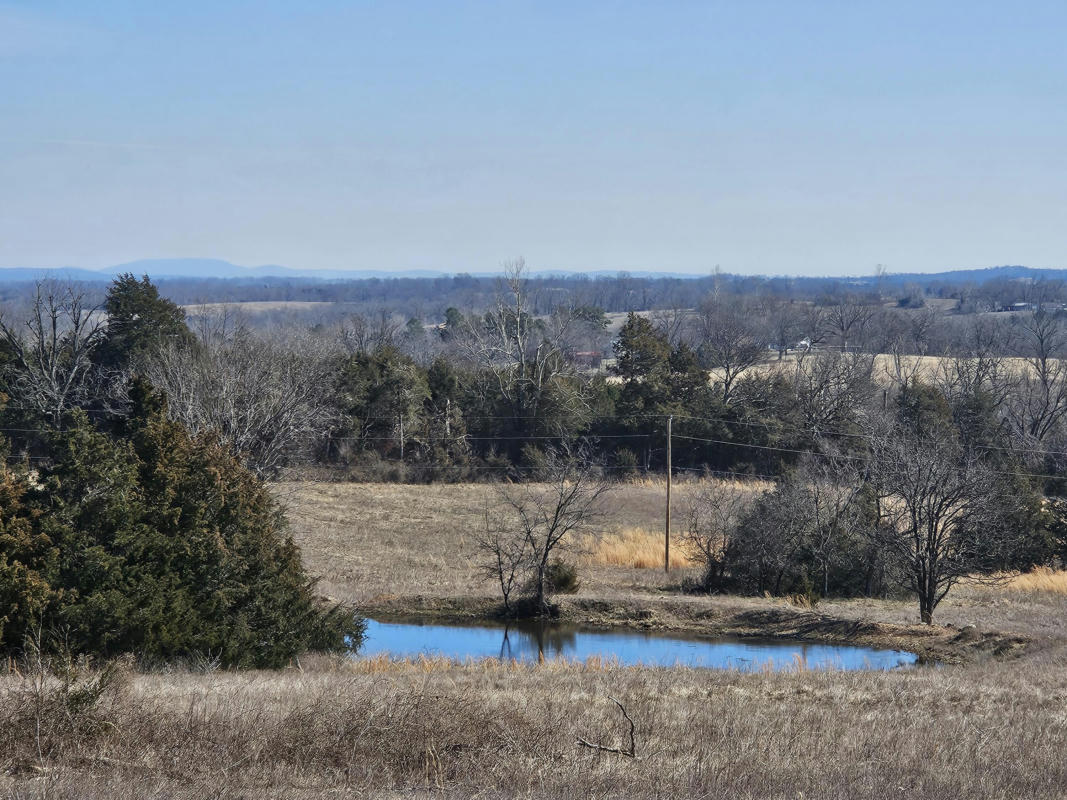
x=641 y=350
x=28 y=562
x=166 y=546
x=139 y=322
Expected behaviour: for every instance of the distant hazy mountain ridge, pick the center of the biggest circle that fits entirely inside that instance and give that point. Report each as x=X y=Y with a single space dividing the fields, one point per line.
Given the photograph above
x=213 y=268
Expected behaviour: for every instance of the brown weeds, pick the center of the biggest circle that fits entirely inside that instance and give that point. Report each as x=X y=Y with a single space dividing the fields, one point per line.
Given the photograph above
x=378 y=728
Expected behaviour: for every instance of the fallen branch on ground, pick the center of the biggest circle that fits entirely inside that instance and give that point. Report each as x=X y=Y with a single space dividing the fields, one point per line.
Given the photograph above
x=629 y=753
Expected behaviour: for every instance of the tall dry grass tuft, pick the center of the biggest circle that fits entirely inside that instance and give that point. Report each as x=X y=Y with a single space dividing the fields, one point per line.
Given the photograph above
x=1039 y=579
x=636 y=548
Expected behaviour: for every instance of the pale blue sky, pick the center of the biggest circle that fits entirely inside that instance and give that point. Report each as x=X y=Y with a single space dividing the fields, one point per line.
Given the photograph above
x=773 y=137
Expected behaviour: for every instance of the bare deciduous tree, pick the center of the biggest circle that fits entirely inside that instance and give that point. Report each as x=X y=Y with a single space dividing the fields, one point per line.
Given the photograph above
x=506 y=555
x=940 y=512
x=728 y=344
x=978 y=365
x=815 y=325
x=785 y=323
x=847 y=318
x=540 y=521
x=829 y=387
x=1037 y=407
x=52 y=369
x=526 y=355
x=673 y=322
x=357 y=334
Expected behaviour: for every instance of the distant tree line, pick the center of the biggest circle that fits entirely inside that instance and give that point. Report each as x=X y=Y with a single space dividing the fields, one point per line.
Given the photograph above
x=752 y=382
x=429 y=298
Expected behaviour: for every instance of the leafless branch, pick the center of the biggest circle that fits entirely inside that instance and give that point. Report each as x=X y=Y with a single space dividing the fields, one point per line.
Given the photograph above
x=629 y=752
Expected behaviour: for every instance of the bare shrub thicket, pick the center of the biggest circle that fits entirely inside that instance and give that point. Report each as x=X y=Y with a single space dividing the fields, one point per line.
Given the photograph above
x=52 y=368
x=808 y=535
x=268 y=399
x=713 y=523
x=59 y=701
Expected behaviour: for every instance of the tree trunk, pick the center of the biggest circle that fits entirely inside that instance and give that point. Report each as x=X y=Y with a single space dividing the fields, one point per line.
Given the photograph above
x=926 y=607
x=539 y=597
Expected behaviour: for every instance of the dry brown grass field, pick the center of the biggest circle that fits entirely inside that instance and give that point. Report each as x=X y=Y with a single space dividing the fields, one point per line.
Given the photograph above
x=885 y=366
x=994 y=727
x=369 y=540
x=433 y=729
x=363 y=540
x=1040 y=580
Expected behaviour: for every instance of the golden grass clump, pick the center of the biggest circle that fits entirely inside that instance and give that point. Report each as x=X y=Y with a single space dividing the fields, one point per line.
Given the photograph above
x=636 y=548
x=1039 y=579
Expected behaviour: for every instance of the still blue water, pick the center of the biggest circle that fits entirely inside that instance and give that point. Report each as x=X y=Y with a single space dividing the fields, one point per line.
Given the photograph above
x=529 y=641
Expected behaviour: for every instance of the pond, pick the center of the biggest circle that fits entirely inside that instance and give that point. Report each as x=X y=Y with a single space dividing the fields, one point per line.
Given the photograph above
x=531 y=641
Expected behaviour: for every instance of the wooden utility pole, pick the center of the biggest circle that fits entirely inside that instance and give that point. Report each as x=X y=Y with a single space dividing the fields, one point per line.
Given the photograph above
x=667 y=526
x=401 y=437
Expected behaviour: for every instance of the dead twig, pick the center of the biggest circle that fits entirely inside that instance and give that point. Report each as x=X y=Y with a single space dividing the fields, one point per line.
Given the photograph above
x=630 y=752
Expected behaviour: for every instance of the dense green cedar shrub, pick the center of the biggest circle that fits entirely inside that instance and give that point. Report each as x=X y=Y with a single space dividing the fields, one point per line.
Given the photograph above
x=27 y=558
x=156 y=543
x=139 y=322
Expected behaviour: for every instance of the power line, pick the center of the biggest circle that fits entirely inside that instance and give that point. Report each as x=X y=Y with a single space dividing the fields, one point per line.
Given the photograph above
x=856 y=458
x=596 y=437
x=692 y=417
x=756 y=446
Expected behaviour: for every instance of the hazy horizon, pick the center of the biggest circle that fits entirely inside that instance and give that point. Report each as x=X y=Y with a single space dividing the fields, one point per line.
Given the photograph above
x=139 y=265
x=765 y=138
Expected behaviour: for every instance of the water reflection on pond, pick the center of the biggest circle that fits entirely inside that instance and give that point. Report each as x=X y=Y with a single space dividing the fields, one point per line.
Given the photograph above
x=531 y=641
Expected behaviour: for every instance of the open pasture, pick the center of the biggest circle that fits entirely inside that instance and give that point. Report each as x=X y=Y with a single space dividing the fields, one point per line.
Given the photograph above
x=365 y=541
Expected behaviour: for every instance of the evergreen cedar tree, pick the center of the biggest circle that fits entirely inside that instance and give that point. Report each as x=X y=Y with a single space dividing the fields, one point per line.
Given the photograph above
x=139 y=322
x=641 y=349
x=155 y=543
